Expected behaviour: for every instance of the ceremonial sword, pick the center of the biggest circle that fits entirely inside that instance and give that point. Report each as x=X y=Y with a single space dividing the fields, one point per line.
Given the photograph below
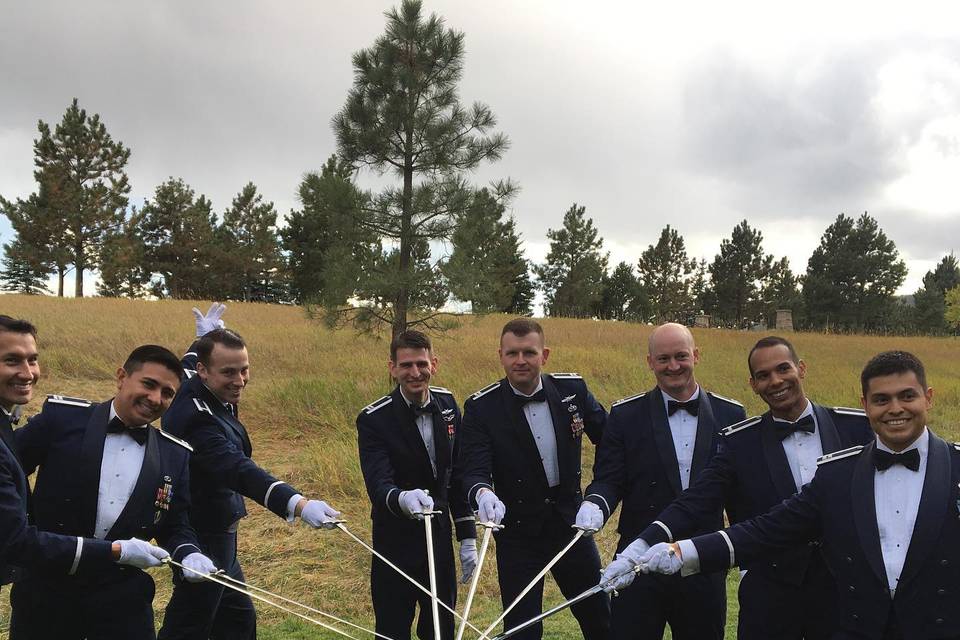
x=432 y=570
x=488 y=528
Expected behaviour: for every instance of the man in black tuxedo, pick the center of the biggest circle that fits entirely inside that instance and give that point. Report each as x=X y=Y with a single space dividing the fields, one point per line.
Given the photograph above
x=655 y=445
x=887 y=513
x=522 y=439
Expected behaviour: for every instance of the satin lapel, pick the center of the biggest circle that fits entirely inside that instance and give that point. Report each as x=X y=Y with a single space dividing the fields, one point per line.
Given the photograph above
x=664 y=440
x=224 y=416
x=931 y=514
x=706 y=427
x=865 y=512
x=829 y=436
x=144 y=491
x=776 y=459
x=407 y=419
x=561 y=417
x=91 y=457
x=521 y=430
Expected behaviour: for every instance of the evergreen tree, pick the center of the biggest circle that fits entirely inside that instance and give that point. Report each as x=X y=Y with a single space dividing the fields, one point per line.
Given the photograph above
x=403 y=115
x=20 y=272
x=780 y=291
x=665 y=272
x=178 y=235
x=123 y=264
x=952 y=308
x=572 y=276
x=702 y=295
x=929 y=300
x=852 y=276
x=81 y=163
x=620 y=290
x=249 y=260
x=737 y=275
x=486 y=265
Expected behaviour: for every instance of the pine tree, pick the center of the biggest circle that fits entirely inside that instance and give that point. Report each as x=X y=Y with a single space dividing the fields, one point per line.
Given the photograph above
x=249 y=260
x=737 y=275
x=123 y=264
x=665 y=272
x=929 y=300
x=20 y=272
x=620 y=290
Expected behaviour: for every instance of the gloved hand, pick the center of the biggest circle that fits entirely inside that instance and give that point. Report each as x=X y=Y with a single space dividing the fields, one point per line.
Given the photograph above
x=589 y=518
x=319 y=515
x=468 y=559
x=140 y=554
x=660 y=558
x=197 y=566
x=414 y=503
x=620 y=573
x=489 y=507
x=210 y=321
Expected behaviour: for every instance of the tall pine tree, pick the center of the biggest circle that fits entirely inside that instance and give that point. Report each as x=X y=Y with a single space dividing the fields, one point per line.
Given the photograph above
x=665 y=272
x=929 y=300
x=572 y=276
x=249 y=261
x=737 y=276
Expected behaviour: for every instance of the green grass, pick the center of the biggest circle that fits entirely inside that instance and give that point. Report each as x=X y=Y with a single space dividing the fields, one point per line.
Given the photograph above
x=309 y=382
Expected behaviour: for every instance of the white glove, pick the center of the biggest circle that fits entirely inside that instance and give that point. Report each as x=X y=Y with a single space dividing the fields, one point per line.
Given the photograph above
x=468 y=559
x=589 y=518
x=489 y=507
x=414 y=503
x=196 y=566
x=140 y=554
x=210 y=321
x=660 y=558
x=620 y=573
x=319 y=515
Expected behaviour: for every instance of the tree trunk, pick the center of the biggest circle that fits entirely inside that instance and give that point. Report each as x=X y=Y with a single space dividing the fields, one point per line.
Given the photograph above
x=61 y=277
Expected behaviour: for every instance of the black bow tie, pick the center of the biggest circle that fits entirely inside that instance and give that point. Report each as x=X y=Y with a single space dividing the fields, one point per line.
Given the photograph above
x=784 y=429
x=539 y=396
x=426 y=410
x=137 y=433
x=883 y=460
x=690 y=406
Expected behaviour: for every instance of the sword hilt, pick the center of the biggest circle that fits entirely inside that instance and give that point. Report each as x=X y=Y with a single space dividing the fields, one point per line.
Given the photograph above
x=586 y=530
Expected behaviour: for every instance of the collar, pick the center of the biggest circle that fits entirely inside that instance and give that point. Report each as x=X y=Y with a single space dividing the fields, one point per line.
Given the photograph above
x=14 y=414
x=526 y=395
x=807 y=411
x=410 y=402
x=667 y=397
x=113 y=414
x=921 y=444
x=226 y=405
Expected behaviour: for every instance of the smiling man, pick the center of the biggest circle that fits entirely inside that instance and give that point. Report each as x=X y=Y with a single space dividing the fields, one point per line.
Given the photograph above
x=763 y=461
x=407 y=442
x=887 y=514
x=522 y=438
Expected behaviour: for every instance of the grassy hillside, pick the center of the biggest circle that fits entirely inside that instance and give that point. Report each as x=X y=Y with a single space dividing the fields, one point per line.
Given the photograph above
x=308 y=383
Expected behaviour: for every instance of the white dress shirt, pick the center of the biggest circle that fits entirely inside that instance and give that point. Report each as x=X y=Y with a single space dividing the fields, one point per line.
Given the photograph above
x=541 y=425
x=803 y=449
x=683 y=430
x=425 y=427
x=896 y=494
x=119 y=470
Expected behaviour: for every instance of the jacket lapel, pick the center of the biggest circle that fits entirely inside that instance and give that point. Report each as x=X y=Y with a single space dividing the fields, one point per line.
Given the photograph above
x=664 y=440
x=91 y=457
x=225 y=418
x=521 y=429
x=865 y=512
x=706 y=428
x=829 y=436
x=16 y=469
x=776 y=458
x=144 y=491
x=934 y=503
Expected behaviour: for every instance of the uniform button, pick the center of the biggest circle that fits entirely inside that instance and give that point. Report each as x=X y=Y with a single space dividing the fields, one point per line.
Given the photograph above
x=855 y=617
x=851 y=588
x=546 y=501
x=773 y=564
x=849 y=560
x=653 y=483
x=519 y=501
x=944 y=562
x=652 y=507
x=941 y=592
x=939 y=620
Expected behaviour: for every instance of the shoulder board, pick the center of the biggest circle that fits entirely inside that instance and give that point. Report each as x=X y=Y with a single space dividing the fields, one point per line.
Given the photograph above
x=740 y=426
x=626 y=400
x=75 y=402
x=189 y=373
x=567 y=376
x=725 y=399
x=182 y=443
x=441 y=390
x=378 y=404
x=487 y=389
x=839 y=455
x=848 y=411
x=956 y=445
x=202 y=406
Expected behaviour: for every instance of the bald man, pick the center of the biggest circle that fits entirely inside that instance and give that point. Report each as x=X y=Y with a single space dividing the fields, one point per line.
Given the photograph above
x=656 y=444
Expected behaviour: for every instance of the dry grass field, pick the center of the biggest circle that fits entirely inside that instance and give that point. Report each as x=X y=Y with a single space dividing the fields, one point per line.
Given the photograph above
x=308 y=383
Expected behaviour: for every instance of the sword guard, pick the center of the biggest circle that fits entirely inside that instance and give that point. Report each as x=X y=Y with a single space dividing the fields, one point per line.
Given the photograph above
x=590 y=530
x=491 y=525
x=431 y=513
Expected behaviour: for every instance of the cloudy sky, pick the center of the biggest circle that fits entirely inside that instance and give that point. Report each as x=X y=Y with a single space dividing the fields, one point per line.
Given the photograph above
x=696 y=114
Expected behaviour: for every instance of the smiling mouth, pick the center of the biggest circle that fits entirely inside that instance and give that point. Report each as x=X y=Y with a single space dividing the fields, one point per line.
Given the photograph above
x=896 y=422
x=779 y=395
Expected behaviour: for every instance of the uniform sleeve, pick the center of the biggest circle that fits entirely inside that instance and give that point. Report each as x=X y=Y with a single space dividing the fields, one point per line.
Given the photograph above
x=177 y=536
x=378 y=473
x=595 y=418
x=463 y=520
x=219 y=457
x=474 y=462
x=609 y=468
x=33 y=441
x=189 y=360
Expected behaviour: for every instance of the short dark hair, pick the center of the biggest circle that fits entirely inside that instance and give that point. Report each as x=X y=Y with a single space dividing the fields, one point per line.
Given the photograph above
x=227 y=337
x=889 y=363
x=772 y=341
x=521 y=327
x=409 y=339
x=16 y=325
x=153 y=353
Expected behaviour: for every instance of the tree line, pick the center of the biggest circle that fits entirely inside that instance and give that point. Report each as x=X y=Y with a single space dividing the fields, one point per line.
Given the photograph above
x=370 y=258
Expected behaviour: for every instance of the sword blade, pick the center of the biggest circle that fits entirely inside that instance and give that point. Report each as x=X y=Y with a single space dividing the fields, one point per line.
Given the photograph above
x=474 y=581
x=432 y=572
x=546 y=614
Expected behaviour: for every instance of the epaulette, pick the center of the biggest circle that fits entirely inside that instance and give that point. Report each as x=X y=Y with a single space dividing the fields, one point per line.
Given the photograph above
x=441 y=390
x=189 y=373
x=189 y=353
x=182 y=443
x=956 y=445
x=75 y=402
x=839 y=455
x=202 y=406
x=626 y=400
x=848 y=411
x=567 y=376
x=724 y=398
x=378 y=404
x=487 y=389
x=740 y=426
